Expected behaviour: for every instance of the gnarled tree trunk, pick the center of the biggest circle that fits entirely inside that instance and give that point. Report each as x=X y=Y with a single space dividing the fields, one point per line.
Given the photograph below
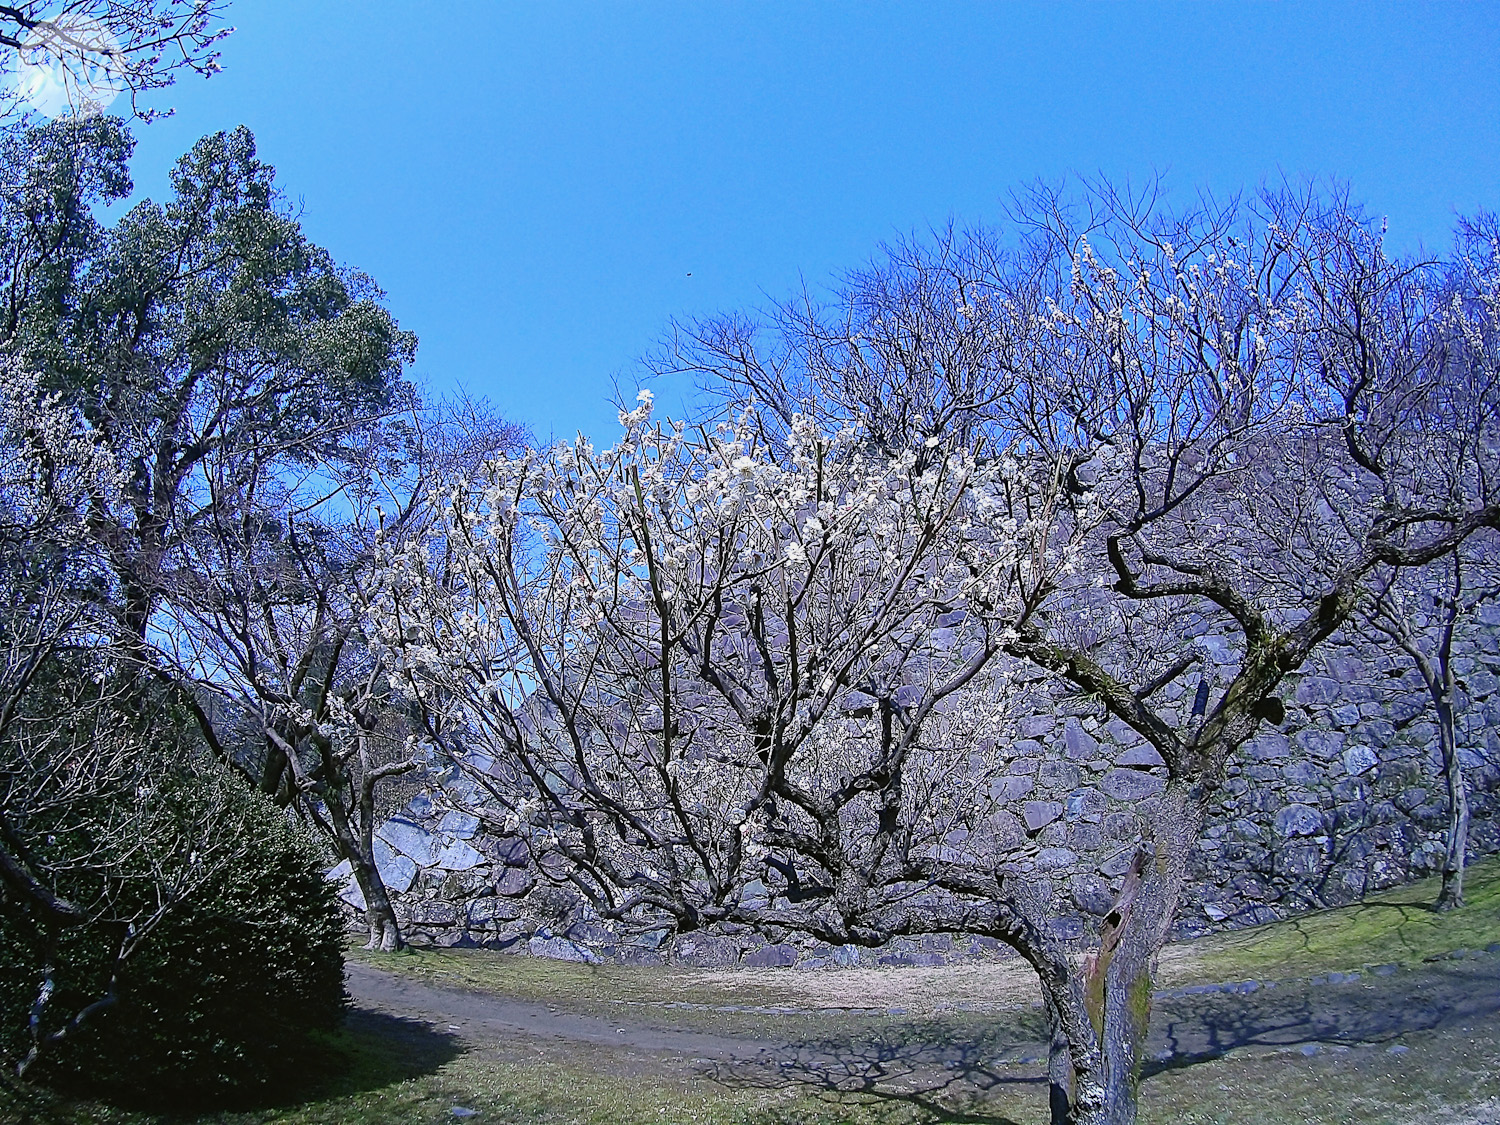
x=1108 y=997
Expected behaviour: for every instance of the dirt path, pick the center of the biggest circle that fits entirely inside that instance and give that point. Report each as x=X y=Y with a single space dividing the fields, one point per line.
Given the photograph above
x=1188 y=1025
x=477 y=1015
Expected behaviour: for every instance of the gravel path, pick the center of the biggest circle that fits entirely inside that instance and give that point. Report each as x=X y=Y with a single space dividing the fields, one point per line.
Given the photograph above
x=1189 y=1024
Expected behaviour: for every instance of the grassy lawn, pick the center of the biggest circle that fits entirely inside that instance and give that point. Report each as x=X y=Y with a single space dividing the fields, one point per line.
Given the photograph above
x=1391 y=927
x=385 y=1071
x=1451 y=1080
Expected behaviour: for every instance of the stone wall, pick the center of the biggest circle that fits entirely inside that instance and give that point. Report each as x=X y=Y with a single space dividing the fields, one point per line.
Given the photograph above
x=1343 y=797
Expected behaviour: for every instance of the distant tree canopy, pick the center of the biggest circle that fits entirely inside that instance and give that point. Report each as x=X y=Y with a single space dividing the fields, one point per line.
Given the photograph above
x=208 y=344
x=196 y=367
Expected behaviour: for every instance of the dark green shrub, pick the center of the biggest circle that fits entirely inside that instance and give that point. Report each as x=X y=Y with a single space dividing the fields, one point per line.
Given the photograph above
x=223 y=994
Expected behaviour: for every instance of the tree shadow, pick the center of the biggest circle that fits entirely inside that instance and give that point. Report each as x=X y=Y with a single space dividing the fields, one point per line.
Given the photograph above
x=1305 y=932
x=1193 y=1029
x=962 y=1077
x=950 y=1079
x=369 y=1052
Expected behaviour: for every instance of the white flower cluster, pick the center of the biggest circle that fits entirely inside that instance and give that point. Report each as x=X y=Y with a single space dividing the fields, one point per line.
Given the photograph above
x=51 y=461
x=664 y=636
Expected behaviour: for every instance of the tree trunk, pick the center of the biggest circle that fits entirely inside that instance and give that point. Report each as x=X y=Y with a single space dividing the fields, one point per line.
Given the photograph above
x=358 y=846
x=1074 y=1066
x=1059 y=1071
x=385 y=930
x=1452 y=894
x=1113 y=989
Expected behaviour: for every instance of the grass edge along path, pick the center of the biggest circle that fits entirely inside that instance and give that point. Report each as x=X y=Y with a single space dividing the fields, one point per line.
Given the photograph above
x=1396 y=926
x=400 y=1073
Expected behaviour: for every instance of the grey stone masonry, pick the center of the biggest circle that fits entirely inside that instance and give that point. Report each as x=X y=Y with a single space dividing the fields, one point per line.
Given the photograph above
x=1343 y=797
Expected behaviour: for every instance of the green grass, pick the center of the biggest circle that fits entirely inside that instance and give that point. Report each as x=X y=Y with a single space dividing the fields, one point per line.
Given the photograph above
x=383 y=1071
x=1451 y=1080
x=1391 y=927
x=1395 y=926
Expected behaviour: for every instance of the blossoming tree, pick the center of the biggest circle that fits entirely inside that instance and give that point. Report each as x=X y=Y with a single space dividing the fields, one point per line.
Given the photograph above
x=682 y=658
x=1251 y=408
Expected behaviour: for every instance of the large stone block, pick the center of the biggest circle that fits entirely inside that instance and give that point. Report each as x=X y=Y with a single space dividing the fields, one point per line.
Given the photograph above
x=1268 y=746
x=1085 y=802
x=1143 y=756
x=1036 y=726
x=561 y=949
x=1038 y=814
x=1057 y=775
x=1084 y=837
x=1317 y=691
x=1411 y=797
x=1092 y=895
x=490 y=910
x=511 y=850
x=1299 y=820
x=704 y=951
x=772 y=957
x=397 y=871
x=1079 y=742
x=514 y=881
x=1050 y=859
x=1303 y=861
x=857 y=704
x=1132 y=785
x=1118 y=863
x=340 y=872
x=1346 y=668
x=409 y=839
x=1069 y=927
x=1012 y=787
x=1002 y=830
x=459 y=825
x=1304 y=773
x=457 y=855
x=434 y=913
x=1346 y=715
x=1320 y=743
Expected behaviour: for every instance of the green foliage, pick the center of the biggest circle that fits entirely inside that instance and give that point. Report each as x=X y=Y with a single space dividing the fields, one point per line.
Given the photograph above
x=161 y=928
x=226 y=989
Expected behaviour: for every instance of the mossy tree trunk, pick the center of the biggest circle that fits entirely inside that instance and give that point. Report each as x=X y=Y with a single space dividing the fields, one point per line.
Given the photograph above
x=1112 y=987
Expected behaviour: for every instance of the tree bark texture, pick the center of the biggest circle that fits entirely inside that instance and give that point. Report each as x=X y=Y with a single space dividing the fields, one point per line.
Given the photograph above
x=1455 y=859
x=1101 y=1009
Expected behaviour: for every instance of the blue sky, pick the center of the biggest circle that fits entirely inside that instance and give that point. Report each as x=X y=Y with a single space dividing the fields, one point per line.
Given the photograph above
x=533 y=183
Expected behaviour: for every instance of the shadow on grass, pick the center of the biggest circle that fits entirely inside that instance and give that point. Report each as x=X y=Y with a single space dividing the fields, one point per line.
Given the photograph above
x=1359 y=1011
x=1399 y=925
x=370 y=1052
x=375 y=1050
x=971 y=1079
x=947 y=1079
